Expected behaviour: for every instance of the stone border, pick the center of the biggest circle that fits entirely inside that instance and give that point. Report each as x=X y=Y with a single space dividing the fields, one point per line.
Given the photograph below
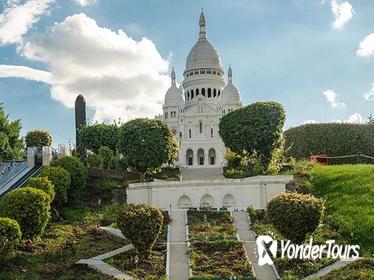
x=188 y=243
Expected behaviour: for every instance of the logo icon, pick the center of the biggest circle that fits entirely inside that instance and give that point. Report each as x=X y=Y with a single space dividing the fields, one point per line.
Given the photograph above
x=262 y=242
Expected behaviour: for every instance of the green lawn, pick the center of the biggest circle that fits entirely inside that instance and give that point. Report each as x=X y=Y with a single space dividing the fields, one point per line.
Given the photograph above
x=349 y=194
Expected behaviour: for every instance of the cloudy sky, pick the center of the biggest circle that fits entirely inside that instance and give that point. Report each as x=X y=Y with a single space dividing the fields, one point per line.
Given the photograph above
x=315 y=57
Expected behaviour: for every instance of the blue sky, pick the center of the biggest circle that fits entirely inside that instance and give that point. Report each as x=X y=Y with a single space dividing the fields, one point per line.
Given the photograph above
x=316 y=58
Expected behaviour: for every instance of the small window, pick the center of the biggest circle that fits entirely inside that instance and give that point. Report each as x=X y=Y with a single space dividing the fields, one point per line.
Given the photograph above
x=189 y=133
x=209 y=92
x=209 y=71
x=203 y=91
x=201 y=127
x=214 y=72
x=214 y=93
x=202 y=72
x=211 y=133
x=197 y=92
x=219 y=93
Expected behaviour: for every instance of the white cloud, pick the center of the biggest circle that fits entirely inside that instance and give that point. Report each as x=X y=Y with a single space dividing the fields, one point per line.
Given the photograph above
x=85 y=2
x=366 y=47
x=342 y=12
x=369 y=96
x=309 y=122
x=17 y=19
x=24 y=72
x=118 y=76
x=331 y=98
x=354 y=118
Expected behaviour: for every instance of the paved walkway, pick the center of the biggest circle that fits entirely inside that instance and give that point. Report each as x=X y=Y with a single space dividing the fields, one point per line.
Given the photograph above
x=190 y=174
x=178 y=267
x=246 y=235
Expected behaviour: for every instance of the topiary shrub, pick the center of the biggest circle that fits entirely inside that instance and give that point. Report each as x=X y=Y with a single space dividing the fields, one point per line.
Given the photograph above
x=44 y=184
x=294 y=215
x=106 y=155
x=60 y=179
x=141 y=224
x=77 y=171
x=94 y=160
x=10 y=235
x=29 y=207
x=38 y=138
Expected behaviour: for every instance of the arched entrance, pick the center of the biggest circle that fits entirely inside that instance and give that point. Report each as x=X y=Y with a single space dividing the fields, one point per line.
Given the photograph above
x=200 y=156
x=184 y=202
x=207 y=201
x=228 y=201
x=189 y=157
x=212 y=156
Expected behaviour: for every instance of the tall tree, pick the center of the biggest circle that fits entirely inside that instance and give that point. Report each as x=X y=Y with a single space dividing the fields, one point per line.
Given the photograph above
x=147 y=144
x=94 y=136
x=11 y=145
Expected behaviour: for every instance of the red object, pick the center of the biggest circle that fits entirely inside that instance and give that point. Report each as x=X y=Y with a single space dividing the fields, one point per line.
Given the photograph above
x=321 y=159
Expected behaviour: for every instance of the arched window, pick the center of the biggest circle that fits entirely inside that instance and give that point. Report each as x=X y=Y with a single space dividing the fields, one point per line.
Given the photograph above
x=209 y=93
x=214 y=93
x=166 y=115
x=189 y=157
x=212 y=157
x=203 y=91
x=188 y=95
x=201 y=127
x=197 y=92
x=200 y=156
x=189 y=133
x=211 y=133
x=219 y=93
x=192 y=95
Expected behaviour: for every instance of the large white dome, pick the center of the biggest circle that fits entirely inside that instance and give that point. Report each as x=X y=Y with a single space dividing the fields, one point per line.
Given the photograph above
x=203 y=54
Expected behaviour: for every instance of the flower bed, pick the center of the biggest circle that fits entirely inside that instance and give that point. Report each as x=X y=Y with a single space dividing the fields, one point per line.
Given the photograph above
x=215 y=252
x=154 y=269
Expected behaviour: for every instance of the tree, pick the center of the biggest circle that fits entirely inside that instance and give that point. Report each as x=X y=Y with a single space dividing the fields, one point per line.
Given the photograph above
x=294 y=215
x=60 y=179
x=38 y=138
x=94 y=136
x=141 y=224
x=11 y=145
x=255 y=129
x=147 y=144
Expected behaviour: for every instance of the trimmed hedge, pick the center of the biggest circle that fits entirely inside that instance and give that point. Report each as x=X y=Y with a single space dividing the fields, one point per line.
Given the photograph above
x=141 y=224
x=38 y=138
x=44 y=184
x=77 y=171
x=60 y=179
x=29 y=207
x=333 y=139
x=10 y=235
x=294 y=215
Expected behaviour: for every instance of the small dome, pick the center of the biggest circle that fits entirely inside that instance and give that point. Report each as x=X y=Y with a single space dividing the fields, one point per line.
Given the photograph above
x=173 y=96
x=203 y=54
x=230 y=94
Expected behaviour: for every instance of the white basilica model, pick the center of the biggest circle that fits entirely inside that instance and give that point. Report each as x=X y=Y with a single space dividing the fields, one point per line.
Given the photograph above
x=193 y=111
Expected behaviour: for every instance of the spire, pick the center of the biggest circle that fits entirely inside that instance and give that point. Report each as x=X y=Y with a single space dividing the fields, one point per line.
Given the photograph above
x=202 y=23
x=229 y=74
x=173 y=76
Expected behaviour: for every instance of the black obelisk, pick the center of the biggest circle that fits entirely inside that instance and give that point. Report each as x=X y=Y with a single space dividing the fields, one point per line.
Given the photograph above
x=80 y=121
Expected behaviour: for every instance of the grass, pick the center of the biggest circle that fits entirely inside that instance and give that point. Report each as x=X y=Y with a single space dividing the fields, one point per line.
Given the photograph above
x=359 y=270
x=349 y=194
x=215 y=253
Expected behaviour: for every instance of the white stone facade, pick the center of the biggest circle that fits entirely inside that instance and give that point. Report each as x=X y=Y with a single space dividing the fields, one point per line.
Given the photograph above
x=194 y=109
x=227 y=193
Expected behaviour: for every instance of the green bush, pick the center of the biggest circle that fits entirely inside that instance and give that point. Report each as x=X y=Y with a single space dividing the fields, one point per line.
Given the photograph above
x=333 y=139
x=94 y=160
x=106 y=155
x=44 y=184
x=60 y=179
x=254 y=129
x=77 y=171
x=10 y=235
x=294 y=215
x=38 y=138
x=94 y=136
x=29 y=207
x=141 y=224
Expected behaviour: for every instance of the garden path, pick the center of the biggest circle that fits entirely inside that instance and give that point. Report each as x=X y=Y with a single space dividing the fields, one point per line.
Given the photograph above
x=329 y=268
x=178 y=267
x=248 y=237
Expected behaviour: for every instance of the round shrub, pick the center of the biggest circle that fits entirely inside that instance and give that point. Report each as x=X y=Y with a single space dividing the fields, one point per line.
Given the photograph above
x=60 y=179
x=44 y=184
x=77 y=171
x=38 y=138
x=29 y=207
x=141 y=224
x=294 y=215
x=10 y=235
